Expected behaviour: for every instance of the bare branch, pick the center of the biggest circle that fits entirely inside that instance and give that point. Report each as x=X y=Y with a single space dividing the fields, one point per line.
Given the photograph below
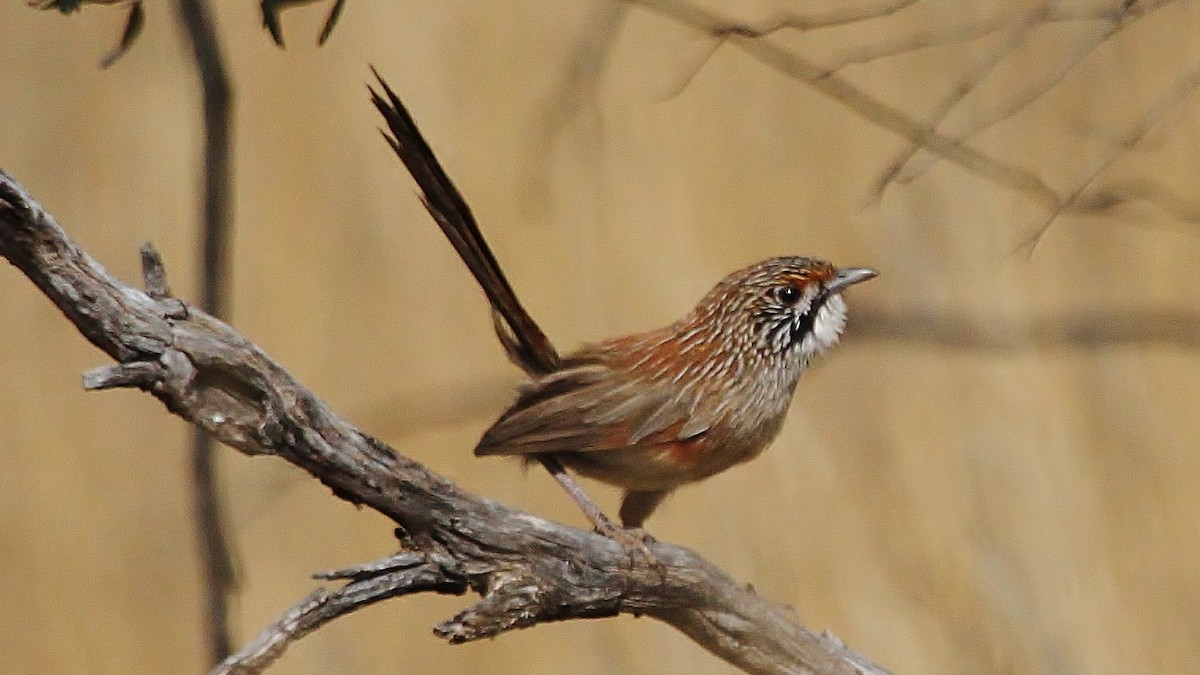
x=270 y=15
x=826 y=81
x=134 y=22
x=153 y=273
x=967 y=84
x=528 y=570
x=1084 y=330
x=1112 y=17
x=1080 y=200
x=137 y=374
x=830 y=18
x=216 y=553
x=1121 y=16
x=270 y=644
x=1114 y=195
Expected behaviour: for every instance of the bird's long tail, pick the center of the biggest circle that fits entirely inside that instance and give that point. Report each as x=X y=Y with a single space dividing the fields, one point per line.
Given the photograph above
x=526 y=344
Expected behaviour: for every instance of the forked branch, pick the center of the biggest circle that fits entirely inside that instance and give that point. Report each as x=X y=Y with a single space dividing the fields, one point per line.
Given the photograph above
x=527 y=570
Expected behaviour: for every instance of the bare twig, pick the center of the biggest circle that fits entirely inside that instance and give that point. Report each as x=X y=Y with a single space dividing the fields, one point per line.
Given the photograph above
x=1114 y=19
x=1111 y=196
x=574 y=97
x=216 y=556
x=824 y=18
x=1110 y=18
x=889 y=117
x=270 y=14
x=1063 y=330
x=1099 y=201
x=826 y=80
x=134 y=22
x=527 y=570
x=967 y=84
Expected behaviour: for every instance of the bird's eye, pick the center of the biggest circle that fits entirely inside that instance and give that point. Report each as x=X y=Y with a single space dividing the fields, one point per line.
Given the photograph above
x=787 y=295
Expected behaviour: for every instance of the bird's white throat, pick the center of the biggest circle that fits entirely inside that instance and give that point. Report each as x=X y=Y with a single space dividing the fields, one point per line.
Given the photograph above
x=827 y=327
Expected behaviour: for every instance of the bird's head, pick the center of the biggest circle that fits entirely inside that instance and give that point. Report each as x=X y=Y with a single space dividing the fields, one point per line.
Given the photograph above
x=790 y=308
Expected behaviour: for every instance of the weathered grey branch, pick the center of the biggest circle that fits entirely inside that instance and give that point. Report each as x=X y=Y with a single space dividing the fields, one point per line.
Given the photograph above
x=527 y=570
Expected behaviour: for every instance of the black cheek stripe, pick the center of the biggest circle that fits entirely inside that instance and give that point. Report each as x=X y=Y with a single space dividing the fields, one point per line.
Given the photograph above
x=805 y=325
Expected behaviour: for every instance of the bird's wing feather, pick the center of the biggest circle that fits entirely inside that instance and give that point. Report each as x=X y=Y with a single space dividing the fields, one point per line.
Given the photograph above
x=590 y=408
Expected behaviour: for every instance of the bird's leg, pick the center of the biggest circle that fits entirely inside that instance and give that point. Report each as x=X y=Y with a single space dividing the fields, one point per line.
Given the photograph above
x=601 y=522
x=632 y=539
x=637 y=506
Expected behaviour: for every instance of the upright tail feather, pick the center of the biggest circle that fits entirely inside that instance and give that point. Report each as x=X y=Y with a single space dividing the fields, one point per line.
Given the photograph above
x=526 y=344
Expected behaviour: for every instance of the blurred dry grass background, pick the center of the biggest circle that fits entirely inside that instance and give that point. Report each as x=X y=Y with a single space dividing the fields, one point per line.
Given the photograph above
x=1032 y=507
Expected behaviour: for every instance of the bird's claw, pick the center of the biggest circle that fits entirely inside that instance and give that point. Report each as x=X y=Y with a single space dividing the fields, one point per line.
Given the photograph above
x=635 y=541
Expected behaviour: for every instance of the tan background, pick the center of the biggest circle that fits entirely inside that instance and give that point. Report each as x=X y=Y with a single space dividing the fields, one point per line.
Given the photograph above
x=1027 y=509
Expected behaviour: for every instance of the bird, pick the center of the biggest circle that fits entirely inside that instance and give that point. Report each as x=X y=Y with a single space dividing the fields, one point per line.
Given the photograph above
x=653 y=411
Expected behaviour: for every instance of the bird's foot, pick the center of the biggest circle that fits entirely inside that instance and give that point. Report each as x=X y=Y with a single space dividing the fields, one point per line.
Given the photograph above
x=635 y=541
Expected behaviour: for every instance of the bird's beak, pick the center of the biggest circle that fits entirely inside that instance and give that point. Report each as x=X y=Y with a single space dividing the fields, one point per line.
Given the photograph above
x=849 y=277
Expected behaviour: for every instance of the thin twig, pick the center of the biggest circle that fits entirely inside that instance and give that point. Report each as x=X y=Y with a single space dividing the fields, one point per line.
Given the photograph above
x=216 y=555
x=1116 y=20
x=1080 y=198
x=1060 y=330
x=829 y=83
x=966 y=85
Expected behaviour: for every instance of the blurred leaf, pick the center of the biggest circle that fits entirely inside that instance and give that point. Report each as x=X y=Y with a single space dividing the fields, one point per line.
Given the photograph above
x=271 y=9
x=133 y=28
x=330 y=20
x=133 y=24
x=68 y=6
x=64 y=6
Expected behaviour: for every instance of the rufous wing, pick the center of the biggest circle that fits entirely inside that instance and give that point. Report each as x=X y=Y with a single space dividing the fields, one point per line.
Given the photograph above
x=590 y=407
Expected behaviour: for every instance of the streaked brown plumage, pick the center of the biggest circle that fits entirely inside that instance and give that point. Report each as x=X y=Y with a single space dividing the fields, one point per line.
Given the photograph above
x=652 y=411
